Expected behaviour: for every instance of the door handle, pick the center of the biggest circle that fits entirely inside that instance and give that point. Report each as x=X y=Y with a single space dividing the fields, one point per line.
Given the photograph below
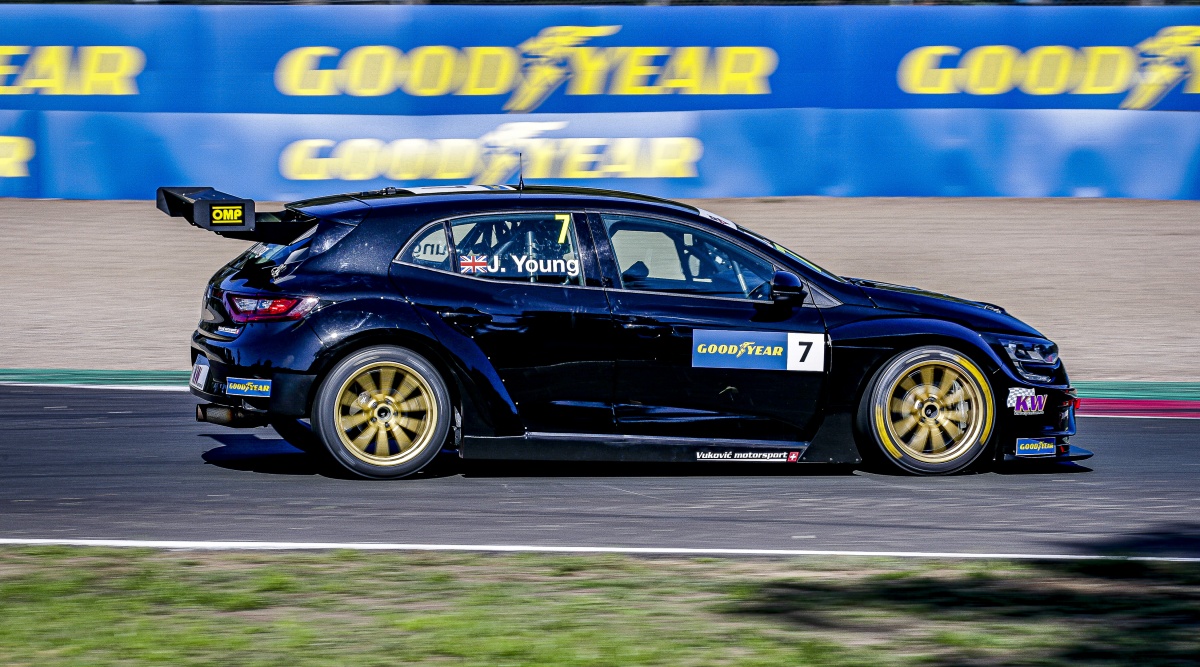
x=647 y=329
x=465 y=317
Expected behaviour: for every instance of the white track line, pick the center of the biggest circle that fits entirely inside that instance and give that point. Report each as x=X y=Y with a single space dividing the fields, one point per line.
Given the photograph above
x=133 y=387
x=509 y=548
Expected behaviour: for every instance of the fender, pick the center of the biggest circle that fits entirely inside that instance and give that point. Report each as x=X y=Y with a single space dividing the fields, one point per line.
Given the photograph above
x=860 y=347
x=487 y=409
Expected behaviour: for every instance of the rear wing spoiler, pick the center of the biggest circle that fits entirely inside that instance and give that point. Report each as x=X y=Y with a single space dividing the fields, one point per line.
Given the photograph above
x=227 y=215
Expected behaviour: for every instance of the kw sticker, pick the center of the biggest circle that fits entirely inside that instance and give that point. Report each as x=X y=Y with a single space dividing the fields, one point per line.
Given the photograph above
x=247 y=387
x=762 y=350
x=1026 y=401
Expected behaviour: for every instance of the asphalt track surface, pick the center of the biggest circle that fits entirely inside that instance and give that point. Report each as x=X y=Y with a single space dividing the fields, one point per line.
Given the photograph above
x=122 y=464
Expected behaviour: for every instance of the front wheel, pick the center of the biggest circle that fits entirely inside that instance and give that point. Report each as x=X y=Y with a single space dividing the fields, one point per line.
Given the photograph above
x=382 y=412
x=929 y=411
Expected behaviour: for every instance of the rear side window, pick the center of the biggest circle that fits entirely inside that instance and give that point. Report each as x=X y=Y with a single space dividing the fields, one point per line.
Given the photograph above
x=528 y=247
x=429 y=249
x=520 y=247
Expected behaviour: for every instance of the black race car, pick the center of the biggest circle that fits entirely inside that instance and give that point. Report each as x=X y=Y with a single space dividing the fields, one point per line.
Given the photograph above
x=551 y=323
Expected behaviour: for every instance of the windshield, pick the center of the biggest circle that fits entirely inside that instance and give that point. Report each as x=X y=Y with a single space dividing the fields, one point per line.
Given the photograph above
x=791 y=254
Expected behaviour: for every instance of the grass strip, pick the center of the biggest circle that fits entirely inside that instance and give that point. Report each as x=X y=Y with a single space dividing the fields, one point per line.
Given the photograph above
x=72 y=606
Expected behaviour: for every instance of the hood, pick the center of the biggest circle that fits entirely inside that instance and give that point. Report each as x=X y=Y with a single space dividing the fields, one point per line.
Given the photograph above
x=976 y=315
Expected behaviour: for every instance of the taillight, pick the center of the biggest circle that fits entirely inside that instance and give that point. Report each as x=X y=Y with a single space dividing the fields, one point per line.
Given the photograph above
x=250 y=308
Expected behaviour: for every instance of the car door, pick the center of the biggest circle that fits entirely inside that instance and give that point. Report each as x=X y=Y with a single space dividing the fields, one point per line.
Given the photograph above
x=515 y=284
x=702 y=349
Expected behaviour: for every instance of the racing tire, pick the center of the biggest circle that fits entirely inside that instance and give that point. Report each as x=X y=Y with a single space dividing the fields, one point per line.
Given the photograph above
x=298 y=434
x=382 y=412
x=927 y=411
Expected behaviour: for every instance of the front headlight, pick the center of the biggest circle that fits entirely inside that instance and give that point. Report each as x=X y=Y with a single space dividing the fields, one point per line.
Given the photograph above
x=1034 y=359
x=1030 y=351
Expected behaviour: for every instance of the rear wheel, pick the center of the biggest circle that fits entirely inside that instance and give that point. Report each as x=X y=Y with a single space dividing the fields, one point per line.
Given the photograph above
x=929 y=411
x=383 y=412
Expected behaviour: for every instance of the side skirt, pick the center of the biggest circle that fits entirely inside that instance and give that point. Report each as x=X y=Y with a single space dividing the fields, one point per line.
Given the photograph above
x=642 y=449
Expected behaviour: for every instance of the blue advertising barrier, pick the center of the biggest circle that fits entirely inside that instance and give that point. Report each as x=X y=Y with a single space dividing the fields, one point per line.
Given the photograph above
x=286 y=102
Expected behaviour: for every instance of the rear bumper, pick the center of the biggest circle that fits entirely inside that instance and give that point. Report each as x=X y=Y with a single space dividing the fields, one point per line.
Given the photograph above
x=280 y=353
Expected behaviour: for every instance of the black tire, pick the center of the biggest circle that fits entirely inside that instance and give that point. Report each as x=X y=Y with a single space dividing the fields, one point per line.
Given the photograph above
x=395 y=428
x=927 y=411
x=297 y=433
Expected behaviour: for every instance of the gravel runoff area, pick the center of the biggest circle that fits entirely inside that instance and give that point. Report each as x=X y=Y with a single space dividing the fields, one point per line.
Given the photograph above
x=117 y=285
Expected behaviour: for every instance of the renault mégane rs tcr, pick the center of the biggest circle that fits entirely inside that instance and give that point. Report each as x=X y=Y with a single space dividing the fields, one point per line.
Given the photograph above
x=550 y=323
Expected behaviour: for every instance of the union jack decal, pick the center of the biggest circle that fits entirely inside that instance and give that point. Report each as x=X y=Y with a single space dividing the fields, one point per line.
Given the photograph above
x=473 y=263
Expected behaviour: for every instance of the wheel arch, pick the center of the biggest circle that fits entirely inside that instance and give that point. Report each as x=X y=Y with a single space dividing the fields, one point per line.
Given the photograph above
x=484 y=408
x=864 y=347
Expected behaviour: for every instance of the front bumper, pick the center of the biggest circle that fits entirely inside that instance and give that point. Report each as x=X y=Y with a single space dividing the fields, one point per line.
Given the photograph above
x=1037 y=423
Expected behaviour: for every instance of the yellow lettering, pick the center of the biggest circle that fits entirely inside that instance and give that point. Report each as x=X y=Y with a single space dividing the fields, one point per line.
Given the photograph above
x=684 y=72
x=1109 y=70
x=370 y=71
x=298 y=72
x=456 y=158
x=743 y=70
x=621 y=159
x=988 y=70
x=636 y=69
x=7 y=69
x=674 y=157
x=357 y=159
x=1048 y=70
x=581 y=159
x=109 y=70
x=301 y=161
x=589 y=69
x=491 y=70
x=48 y=70
x=778 y=351
x=540 y=156
x=406 y=159
x=920 y=72
x=15 y=154
x=433 y=70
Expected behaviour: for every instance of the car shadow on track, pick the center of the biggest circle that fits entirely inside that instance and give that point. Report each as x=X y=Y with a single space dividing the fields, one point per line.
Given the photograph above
x=250 y=453
x=1098 y=612
x=274 y=456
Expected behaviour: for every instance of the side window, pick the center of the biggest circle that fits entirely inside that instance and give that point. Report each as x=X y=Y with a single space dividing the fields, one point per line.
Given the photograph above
x=428 y=249
x=660 y=256
x=520 y=247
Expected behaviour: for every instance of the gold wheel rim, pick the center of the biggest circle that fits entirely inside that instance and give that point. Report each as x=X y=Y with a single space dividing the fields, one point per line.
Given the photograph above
x=936 y=411
x=385 y=414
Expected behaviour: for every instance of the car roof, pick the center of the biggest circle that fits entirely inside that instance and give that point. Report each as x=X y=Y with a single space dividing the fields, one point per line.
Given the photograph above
x=404 y=197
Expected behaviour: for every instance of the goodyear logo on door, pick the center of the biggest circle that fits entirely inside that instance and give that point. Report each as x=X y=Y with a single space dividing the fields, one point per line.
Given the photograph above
x=762 y=350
